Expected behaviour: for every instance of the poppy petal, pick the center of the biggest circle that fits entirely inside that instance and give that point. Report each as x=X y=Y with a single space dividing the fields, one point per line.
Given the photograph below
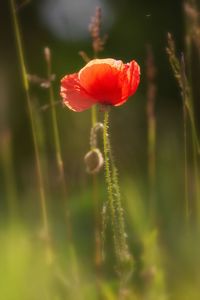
x=133 y=74
x=130 y=81
x=74 y=96
x=100 y=78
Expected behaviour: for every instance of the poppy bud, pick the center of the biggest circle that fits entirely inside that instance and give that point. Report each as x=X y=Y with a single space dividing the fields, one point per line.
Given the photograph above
x=94 y=161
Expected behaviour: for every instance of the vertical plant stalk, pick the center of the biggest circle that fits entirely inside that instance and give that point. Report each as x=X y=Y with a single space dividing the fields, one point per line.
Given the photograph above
x=93 y=115
x=115 y=210
x=178 y=68
x=95 y=190
x=188 y=104
x=117 y=200
x=59 y=158
x=9 y=176
x=184 y=101
x=108 y=177
x=196 y=168
x=98 y=43
x=192 y=28
x=30 y=112
x=186 y=192
x=98 y=256
x=151 y=130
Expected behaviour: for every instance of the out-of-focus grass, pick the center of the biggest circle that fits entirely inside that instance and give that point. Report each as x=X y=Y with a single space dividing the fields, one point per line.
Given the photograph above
x=166 y=265
x=23 y=273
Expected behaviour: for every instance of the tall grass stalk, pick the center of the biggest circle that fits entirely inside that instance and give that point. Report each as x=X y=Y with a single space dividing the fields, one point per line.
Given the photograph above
x=57 y=144
x=95 y=192
x=185 y=111
x=151 y=131
x=192 y=40
x=97 y=45
x=178 y=67
x=188 y=107
x=9 y=176
x=95 y=184
x=94 y=29
x=26 y=87
x=186 y=191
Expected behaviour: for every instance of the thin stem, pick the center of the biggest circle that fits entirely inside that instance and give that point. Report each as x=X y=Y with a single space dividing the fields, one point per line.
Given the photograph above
x=188 y=103
x=186 y=194
x=94 y=115
x=59 y=159
x=98 y=256
x=192 y=29
x=9 y=176
x=196 y=173
x=185 y=85
x=152 y=160
x=30 y=111
x=151 y=130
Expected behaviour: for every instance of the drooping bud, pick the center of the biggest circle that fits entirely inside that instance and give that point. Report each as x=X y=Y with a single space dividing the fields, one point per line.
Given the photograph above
x=94 y=161
x=93 y=134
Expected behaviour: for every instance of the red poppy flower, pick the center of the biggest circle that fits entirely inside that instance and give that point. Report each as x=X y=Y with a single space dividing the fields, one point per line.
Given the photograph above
x=104 y=81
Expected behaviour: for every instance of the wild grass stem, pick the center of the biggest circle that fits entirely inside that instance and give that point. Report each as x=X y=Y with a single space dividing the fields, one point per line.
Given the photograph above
x=97 y=45
x=95 y=190
x=186 y=192
x=57 y=143
x=151 y=131
x=9 y=175
x=192 y=28
x=189 y=108
x=26 y=87
x=178 y=67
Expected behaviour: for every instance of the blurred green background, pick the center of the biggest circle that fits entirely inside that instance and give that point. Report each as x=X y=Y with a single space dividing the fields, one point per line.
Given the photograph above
x=62 y=25
x=130 y=25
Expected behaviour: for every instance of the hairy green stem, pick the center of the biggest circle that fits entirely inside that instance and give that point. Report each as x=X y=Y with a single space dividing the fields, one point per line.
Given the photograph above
x=108 y=177
x=115 y=209
x=117 y=202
